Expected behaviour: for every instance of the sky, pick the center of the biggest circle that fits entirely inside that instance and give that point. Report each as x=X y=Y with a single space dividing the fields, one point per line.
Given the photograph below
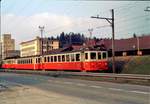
x=21 y=18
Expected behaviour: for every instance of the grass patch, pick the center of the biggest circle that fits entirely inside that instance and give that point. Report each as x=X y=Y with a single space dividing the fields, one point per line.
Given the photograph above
x=132 y=65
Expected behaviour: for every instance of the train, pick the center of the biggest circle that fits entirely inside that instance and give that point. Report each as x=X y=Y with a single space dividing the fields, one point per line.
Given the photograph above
x=81 y=60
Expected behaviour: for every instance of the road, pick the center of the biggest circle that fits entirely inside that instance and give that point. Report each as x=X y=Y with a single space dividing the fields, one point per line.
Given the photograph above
x=81 y=91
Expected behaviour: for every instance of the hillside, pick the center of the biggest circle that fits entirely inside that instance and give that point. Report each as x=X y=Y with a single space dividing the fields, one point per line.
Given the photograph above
x=132 y=64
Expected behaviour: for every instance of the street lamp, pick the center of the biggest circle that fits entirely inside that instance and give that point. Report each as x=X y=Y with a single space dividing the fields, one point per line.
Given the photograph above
x=41 y=53
x=90 y=37
x=90 y=31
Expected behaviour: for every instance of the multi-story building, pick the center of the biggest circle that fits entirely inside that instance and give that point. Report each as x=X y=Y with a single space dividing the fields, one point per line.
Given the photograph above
x=35 y=47
x=8 y=44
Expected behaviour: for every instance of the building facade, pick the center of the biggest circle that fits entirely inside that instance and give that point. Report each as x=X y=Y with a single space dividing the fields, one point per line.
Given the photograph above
x=128 y=47
x=8 y=44
x=37 y=46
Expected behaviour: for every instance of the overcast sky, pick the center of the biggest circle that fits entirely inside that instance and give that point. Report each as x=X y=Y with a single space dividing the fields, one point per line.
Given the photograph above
x=21 y=18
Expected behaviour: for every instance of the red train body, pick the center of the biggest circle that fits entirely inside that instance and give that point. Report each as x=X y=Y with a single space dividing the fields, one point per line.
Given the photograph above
x=74 y=61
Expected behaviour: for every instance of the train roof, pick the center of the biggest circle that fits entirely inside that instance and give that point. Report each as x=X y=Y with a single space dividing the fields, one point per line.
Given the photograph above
x=63 y=51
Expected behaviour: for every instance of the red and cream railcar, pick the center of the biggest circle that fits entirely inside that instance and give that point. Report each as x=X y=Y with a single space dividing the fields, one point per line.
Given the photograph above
x=77 y=61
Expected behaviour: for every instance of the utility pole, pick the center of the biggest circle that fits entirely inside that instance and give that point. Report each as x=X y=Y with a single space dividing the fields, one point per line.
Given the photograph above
x=41 y=48
x=111 y=21
x=41 y=30
x=90 y=31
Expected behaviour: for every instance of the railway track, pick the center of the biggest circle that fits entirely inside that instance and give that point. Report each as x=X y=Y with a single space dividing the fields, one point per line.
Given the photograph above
x=110 y=77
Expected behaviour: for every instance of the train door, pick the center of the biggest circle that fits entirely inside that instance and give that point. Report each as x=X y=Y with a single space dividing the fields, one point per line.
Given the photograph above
x=38 y=63
x=85 y=60
x=34 y=63
x=90 y=60
x=82 y=61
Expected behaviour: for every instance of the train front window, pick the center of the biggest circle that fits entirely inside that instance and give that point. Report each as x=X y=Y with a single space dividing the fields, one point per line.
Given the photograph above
x=93 y=55
x=99 y=55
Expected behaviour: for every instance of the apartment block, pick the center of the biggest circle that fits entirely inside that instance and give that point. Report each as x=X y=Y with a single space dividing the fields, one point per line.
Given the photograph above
x=35 y=46
x=8 y=44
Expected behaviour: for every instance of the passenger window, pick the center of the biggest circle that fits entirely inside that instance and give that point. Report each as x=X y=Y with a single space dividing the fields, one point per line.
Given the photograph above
x=99 y=55
x=104 y=55
x=59 y=58
x=51 y=58
x=55 y=58
x=63 y=58
x=31 y=61
x=44 y=59
x=93 y=55
x=77 y=57
x=39 y=60
x=48 y=59
x=36 y=60
x=86 y=56
x=72 y=57
x=67 y=58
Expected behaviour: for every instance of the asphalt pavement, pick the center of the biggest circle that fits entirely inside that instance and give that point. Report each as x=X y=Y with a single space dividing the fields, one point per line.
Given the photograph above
x=89 y=92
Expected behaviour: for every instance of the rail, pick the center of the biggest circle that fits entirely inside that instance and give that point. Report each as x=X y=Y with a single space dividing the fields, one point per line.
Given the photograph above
x=134 y=78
